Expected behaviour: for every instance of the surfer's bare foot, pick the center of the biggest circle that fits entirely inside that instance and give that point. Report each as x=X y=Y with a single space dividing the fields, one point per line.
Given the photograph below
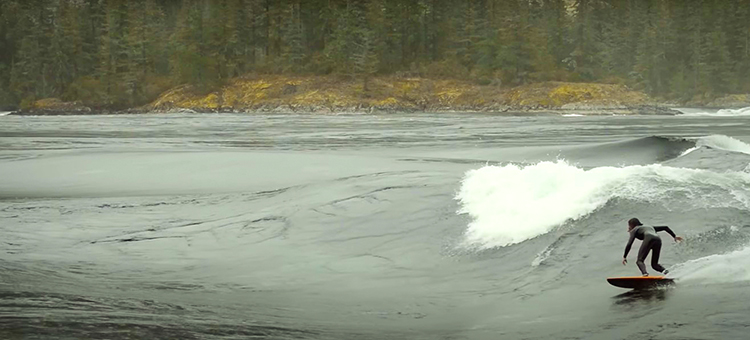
x=645 y=274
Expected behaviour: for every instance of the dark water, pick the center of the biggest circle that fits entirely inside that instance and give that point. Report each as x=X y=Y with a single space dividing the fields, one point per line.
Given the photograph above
x=444 y=226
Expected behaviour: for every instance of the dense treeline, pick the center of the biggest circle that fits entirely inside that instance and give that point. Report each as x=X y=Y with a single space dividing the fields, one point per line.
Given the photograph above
x=125 y=52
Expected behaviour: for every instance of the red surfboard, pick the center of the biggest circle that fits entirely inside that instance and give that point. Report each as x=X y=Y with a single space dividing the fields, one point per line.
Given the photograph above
x=640 y=282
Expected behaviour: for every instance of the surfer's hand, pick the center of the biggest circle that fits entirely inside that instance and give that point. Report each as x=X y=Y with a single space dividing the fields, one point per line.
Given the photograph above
x=677 y=239
x=624 y=261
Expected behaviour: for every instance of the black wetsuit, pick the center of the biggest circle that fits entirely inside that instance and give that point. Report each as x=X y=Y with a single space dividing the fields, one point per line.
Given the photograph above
x=651 y=241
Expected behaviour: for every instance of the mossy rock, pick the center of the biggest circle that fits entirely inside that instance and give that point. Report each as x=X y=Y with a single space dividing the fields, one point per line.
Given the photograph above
x=559 y=94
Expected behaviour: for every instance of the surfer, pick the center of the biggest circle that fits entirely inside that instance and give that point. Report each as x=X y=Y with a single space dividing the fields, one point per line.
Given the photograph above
x=650 y=242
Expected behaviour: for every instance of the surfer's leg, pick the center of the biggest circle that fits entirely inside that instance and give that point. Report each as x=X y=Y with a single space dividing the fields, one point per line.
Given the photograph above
x=642 y=253
x=656 y=247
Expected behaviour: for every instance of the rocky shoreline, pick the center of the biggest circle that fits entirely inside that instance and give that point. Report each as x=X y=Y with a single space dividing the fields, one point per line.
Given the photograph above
x=328 y=95
x=655 y=109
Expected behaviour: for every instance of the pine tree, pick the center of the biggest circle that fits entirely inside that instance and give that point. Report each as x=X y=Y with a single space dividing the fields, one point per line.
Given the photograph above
x=122 y=52
x=232 y=50
x=191 y=59
x=368 y=43
x=652 y=65
x=734 y=33
x=66 y=45
x=546 y=52
x=719 y=76
x=742 y=41
x=392 y=36
x=698 y=43
x=555 y=23
x=136 y=49
x=28 y=77
x=293 y=50
x=113 y=52
x=9 y=13
x=587 y=27
x=340 y=44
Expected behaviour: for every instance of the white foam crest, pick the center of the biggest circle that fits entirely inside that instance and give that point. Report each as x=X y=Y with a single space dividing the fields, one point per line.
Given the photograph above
x=718 y=268
x=510 y=204
x=541 y=257
x=745 y=111
x=684 y=153
x=3 y=113
x=724 y=143
x=720 y=113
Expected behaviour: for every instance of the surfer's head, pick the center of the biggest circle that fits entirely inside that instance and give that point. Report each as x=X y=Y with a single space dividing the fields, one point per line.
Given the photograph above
x=633 y=222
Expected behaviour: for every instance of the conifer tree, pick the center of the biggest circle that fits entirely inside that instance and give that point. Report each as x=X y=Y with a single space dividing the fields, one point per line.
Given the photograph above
x=28 y=77
x=122 y=52
x=294 y=46
x=113 y=51
x=9 y=36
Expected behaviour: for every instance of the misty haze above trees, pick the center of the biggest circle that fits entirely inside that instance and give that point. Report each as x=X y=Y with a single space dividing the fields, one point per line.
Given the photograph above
x=122 y=53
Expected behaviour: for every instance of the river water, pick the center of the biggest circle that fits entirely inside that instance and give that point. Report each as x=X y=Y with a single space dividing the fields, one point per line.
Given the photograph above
x=409 y=226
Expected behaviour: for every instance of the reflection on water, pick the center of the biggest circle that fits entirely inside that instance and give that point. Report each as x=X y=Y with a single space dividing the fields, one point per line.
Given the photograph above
x=641 y=296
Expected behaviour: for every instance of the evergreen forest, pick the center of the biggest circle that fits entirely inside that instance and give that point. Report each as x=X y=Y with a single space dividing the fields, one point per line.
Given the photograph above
x=122 y=53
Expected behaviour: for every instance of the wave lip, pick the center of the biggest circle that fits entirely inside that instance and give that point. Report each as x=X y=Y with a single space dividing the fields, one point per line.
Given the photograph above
x=725 y=143
x=717 y=142
x=510 y=204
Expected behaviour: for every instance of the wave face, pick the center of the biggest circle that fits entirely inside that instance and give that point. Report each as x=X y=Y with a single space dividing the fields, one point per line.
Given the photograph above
x=510 y=204
x=663 y=148
x=644 y=150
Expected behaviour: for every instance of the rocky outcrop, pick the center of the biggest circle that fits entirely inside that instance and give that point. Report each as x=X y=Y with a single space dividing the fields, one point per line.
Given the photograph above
x=55 y=106
x=327 y=94
x=330 y=94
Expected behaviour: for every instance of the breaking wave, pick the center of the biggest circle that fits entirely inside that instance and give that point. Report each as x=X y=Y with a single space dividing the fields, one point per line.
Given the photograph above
x=717 y=268
x=720 y=113
x=662 y=148
x=725 y=143
x=512 y=203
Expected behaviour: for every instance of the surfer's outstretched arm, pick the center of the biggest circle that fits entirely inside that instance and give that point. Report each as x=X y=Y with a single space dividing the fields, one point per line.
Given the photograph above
x=630 y=244
x=669 y=231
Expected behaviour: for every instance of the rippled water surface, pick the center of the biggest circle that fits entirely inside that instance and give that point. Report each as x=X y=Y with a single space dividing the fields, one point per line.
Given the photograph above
x=419 y=226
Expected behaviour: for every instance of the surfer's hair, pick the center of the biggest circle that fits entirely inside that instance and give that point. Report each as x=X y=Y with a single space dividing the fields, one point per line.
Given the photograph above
x=634 y=222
